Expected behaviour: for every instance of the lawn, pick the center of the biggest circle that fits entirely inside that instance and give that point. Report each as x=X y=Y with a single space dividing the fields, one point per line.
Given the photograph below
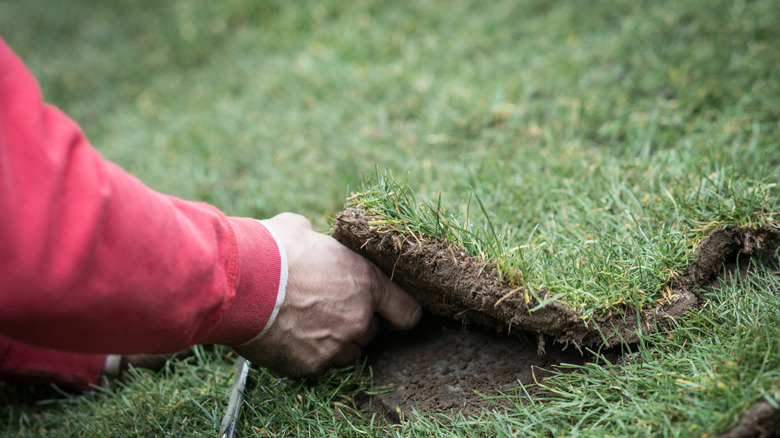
x=592 y=145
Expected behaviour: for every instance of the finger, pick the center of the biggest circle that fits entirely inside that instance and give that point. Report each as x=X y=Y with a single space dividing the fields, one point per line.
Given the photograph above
x=347 y=355
x=365 y=338
x=395 y=304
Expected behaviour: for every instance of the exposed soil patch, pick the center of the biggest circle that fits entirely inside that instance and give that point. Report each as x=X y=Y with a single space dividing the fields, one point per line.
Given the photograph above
x=441 y=366
x=760 y=421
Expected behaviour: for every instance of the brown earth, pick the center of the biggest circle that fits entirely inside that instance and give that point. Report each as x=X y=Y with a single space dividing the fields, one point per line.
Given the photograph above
x=762 y=420
x=443 y=366
x=488 y=340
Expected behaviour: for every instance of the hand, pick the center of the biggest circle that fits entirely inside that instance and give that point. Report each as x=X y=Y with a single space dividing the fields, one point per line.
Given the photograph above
x=328 y=314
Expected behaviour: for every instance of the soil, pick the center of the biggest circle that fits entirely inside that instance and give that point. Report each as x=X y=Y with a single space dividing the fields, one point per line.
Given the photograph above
x=478 y=337
x=443 y=366
x=762 y=420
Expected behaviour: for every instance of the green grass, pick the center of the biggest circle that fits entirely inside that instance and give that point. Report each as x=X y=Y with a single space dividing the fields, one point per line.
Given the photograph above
x=622 y=263
x=187 y=395
x=608 y=137
x=692 y=381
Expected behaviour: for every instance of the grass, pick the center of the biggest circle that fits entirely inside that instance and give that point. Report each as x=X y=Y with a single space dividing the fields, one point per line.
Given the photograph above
x=609 y=263
x=184 y=396
x=610 y=138
x=692 y=381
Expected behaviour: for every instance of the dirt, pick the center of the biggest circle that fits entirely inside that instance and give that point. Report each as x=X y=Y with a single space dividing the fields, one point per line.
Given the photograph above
x=486 y=339
x=445 y=367
x=762 y=420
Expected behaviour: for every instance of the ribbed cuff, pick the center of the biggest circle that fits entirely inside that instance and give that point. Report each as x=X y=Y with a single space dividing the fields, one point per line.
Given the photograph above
x=260 y=288
x=282 y=284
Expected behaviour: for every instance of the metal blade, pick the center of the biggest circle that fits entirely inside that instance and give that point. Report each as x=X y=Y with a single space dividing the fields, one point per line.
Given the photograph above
x=230 y=420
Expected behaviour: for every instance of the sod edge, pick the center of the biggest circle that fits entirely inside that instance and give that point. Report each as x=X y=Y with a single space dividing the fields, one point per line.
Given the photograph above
x=449 y=282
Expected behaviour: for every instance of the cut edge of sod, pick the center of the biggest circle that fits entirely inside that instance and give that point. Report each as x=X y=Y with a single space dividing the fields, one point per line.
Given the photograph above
x=473 y=274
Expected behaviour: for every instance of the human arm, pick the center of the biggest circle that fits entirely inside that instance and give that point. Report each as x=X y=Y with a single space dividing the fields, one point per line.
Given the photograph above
x=92 y=260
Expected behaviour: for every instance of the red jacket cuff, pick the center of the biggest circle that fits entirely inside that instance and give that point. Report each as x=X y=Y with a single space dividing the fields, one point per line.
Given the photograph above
x=260 y=287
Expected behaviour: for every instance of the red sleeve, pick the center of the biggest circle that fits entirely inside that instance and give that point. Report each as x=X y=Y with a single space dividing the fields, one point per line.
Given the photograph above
x=91 y=260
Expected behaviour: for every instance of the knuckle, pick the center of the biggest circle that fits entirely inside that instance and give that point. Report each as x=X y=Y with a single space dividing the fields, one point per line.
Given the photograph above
x=367 y=278
x=319 y=368
x=314 y=366
x=301 y=220
x=294 y=218
x=359 y=323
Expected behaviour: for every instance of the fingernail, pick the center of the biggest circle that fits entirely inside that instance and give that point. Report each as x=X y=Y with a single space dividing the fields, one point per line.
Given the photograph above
x=416 y=316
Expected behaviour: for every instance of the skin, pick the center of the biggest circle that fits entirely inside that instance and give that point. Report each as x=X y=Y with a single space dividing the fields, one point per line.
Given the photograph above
x=332 y=299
